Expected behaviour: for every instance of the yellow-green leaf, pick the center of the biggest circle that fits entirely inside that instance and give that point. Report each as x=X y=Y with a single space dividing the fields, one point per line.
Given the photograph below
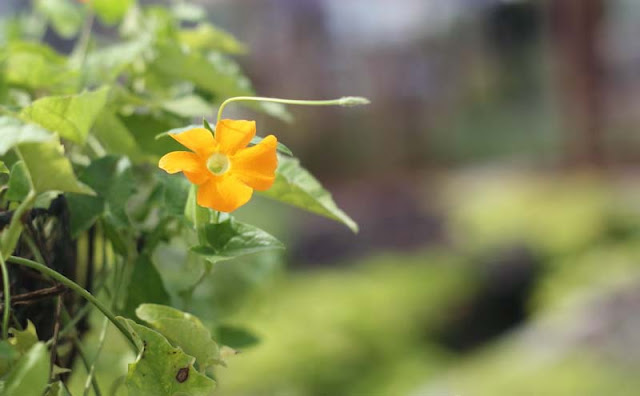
x=71 y=116
x=162 y=369
x=30 y=375
x=182 y=330
x=49 y=169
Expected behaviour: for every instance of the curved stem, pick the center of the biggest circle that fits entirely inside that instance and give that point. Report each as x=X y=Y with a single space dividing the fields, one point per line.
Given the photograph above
x=7 y=299
x=15 y=227
x=76 y=288
x=344 y=101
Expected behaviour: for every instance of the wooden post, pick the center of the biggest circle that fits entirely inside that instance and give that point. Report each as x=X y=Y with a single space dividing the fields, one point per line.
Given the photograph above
x=575 y=31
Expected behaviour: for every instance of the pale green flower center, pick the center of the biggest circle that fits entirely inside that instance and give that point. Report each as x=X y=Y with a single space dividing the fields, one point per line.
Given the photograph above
x=218 y=164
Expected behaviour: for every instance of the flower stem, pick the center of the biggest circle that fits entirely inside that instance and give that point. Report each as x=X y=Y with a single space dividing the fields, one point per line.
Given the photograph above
x=344 y=101
x=78 y=289
x=15 y=227
x=7 y=298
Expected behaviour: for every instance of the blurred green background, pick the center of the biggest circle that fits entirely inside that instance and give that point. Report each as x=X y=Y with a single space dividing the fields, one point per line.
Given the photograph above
x=493 y=178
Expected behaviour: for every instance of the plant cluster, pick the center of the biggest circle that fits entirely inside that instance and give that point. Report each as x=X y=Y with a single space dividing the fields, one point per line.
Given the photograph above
x=85 y=205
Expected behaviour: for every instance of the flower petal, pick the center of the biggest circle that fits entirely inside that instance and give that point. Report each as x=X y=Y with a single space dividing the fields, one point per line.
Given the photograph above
x=223 y=193
x=256 y=166
x=199 y=140
x=179 y=161
x=232 y=135
x=197 y=177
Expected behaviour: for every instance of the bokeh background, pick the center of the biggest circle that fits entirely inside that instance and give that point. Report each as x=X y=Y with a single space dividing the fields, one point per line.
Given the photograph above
x=494 y=180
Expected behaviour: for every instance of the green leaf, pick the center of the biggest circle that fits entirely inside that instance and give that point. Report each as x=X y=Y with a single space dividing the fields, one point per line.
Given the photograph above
x=105 y=64
x=182 y=330
x=36 y=66
x=145 y=127
x=111 y=178
x=175 y=191
x=71 y=116
x=14 y=132
x=116 y=238
x=216 y=74
x=232 y=238
x=188 y=106
x=3 y=168
x=162 y=369
x=8 y=356
x=66 y=16
x=207 y=126
x=23 y=340
x=114 y=135
x=85 y=210
x=296 y=186
x=19 y=183
x=49 y=169
x=146 y=286
x=208 y=37
x=111 y=11
x=30 y=375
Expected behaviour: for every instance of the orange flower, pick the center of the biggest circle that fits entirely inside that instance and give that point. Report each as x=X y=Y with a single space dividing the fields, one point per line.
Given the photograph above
x=223 y=168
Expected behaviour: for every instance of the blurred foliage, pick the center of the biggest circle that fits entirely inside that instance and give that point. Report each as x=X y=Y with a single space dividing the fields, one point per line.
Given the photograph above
x=377 y=327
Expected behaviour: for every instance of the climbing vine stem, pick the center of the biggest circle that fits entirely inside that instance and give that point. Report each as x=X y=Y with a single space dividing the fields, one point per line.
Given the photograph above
x=78 y=289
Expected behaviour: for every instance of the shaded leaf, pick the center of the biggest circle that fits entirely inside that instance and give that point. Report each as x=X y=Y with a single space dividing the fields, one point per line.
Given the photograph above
x=19 y=183
x=114 y=135
x=231 y=238
x=71 y=116
x=30 y=375
x=85 y=210
x=49 y=169
x=162 y=369
x=146 y=286
x=236 y=337
x=175 y=191
x=14 y=132
x=116 y=238
x=296 y=186
x=145 y=127
x=111 y=178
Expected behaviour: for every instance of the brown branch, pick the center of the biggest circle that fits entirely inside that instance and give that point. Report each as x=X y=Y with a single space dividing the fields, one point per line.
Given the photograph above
x=36 y=295
x=56 y=331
